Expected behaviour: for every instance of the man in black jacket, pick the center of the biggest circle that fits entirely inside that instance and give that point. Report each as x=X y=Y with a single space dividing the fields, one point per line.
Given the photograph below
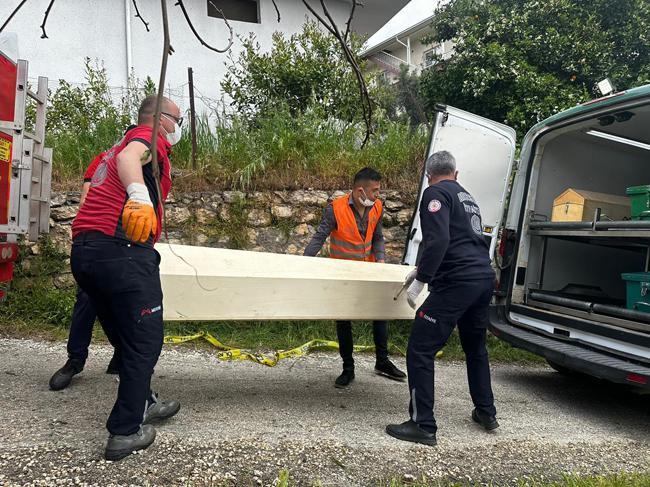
x=455 y=263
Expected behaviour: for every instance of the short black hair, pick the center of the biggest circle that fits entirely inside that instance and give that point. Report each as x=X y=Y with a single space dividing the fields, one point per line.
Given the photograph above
x=366 y=174
x=148 y=107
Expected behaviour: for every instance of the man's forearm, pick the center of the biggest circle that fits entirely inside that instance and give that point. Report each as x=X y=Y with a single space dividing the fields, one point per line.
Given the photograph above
x=84 y=192
x=130 y=162
x=379 y=250
x=432 y=257
x=327 y=224
x=378 y=244
x=129 y=170
x=314 y=245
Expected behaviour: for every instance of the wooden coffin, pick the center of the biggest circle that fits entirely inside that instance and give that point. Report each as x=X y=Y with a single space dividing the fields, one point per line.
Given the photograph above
x=577 y=205
x=201 y=283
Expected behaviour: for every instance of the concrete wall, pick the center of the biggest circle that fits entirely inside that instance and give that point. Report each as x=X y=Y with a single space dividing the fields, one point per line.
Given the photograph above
x=97 y=29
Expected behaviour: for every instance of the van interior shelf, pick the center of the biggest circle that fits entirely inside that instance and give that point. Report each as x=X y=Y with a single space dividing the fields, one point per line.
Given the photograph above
x=588 y=307
x=610 y=233
x=598 y=226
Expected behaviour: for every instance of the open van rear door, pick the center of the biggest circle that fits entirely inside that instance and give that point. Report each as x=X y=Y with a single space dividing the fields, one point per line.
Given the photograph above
x=484 y=152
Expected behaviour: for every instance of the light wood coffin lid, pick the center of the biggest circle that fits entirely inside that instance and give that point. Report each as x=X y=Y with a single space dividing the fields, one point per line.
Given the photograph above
x=580 y=205
x=243 y=285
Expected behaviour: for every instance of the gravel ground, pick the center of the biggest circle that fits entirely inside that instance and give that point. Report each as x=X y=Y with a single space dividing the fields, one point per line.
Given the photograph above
x=242 y=423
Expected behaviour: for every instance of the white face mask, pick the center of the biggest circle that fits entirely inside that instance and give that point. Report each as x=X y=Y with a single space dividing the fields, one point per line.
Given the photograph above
x=365 y=201
x=174 y=137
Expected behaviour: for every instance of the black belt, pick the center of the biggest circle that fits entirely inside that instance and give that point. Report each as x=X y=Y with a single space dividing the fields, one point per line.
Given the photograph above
x=96 y=236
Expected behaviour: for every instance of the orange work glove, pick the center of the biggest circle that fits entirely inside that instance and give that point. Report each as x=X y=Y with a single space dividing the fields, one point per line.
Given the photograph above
x=139 y=220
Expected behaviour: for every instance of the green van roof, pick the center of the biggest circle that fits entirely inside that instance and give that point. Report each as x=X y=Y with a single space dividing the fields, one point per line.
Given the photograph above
x=616 y=98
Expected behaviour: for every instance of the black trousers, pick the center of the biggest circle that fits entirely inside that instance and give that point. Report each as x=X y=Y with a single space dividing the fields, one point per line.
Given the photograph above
x=123 y=283
x=449 y=303
x=81 y=327
x=346 y=343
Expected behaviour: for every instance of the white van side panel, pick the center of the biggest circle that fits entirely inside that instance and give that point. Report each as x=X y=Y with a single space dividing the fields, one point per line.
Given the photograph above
x=484 y=152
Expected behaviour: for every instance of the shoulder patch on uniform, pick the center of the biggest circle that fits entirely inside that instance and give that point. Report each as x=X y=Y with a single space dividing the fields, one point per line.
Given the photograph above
x=434 y=206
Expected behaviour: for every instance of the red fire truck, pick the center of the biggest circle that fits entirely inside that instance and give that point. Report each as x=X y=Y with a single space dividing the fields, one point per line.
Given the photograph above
x=25 y=164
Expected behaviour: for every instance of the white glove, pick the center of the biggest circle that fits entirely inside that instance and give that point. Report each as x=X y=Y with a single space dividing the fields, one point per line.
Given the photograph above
x=410 y=277
x=413 y=292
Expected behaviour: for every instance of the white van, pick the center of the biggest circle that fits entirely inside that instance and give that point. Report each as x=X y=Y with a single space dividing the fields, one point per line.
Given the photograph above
x=575 y=292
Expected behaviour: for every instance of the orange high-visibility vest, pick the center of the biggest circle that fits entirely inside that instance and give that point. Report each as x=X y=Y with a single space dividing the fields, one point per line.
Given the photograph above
x=345 y=241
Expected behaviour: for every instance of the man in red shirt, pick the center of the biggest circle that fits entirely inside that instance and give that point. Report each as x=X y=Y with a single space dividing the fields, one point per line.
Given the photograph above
x=83 y=314
x=113 y=260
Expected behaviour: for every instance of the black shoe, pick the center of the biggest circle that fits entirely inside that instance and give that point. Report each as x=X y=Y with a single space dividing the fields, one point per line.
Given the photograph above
x=388 y=369
x=488 y=422
x=62 y=377
x=161 y=410
x=120 y=446
x=345 y=379
x=113 y=365
x=411 y=431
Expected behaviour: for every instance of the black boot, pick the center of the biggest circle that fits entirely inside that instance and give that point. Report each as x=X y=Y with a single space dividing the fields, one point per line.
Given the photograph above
x=411 y=431
x=488 y=422
x=160 y=410
x=345 y=379
x=120 y=446
x=62 y=377
x=388 y=369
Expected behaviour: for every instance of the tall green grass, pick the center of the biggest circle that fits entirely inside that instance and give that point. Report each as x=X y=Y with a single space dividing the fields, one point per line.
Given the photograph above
x=279 y=152
x=276 y=149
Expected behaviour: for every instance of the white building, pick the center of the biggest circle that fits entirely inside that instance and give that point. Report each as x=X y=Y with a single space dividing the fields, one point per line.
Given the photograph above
x=108 y=31
x=400 y=40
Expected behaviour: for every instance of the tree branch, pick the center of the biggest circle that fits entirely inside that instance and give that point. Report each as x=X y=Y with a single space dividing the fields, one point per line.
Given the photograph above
x=138 y=16
x=156 y=119
x=347 y=24
x=319 y=17
x=277 y=10
x=11 y=16
x=366 y=103
x=196 y=34
x=47 y=14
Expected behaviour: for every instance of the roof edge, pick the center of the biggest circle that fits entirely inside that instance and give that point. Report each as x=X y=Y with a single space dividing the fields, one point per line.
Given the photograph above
x=380 y=46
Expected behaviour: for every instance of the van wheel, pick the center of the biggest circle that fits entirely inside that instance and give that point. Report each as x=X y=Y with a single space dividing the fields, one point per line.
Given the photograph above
x=562 y=369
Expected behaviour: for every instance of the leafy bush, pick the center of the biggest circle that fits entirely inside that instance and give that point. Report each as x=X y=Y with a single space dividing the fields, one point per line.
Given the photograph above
x=296 y=123
x=83 y=121
x=298 y=72
x=520 y=61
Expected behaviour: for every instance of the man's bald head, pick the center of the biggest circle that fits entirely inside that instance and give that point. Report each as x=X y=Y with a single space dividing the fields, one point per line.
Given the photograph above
x=148 y=108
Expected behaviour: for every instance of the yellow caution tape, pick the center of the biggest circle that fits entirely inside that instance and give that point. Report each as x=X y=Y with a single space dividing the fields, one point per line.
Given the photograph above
x=270 y=359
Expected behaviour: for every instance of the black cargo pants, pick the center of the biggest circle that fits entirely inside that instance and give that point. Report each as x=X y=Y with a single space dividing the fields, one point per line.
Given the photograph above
x=122 y=281
x=462 y=303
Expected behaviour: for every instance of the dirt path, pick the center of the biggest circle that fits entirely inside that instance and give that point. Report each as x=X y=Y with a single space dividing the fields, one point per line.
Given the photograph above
x=242 y=423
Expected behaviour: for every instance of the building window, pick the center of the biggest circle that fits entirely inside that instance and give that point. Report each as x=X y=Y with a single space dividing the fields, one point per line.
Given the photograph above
x=432 y=56
x=241 y=10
